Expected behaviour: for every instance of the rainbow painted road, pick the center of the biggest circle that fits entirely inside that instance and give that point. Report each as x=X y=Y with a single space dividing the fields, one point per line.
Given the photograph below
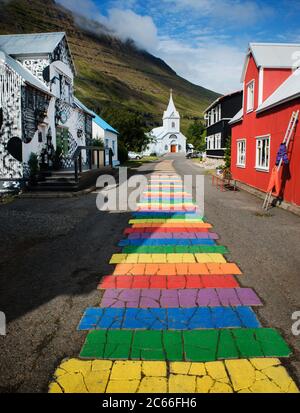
x=173 y=317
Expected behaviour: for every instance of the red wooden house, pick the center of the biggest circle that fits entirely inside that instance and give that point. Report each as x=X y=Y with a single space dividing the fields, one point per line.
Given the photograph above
x=271 y=92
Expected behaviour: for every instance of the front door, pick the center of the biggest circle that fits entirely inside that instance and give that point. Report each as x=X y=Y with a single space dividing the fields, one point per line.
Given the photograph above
x=173 y=148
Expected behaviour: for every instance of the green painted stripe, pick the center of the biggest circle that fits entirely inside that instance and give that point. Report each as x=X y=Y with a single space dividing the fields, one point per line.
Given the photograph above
x=169 y=249
x=195 y=345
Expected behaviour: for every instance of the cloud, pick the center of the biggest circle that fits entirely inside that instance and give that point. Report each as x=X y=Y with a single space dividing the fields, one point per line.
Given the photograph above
x=87 y=8
x=208 y=59
x=213 y=65
x=129 y=25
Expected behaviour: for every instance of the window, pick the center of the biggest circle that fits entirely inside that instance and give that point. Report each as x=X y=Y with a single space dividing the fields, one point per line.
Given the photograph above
x=241 y=153
x=106 y=143
x=208 y=119
x=173 y=125
x=67 y=92
x=179 y=147
x=214 y=141
x=263 y=153
x=166 y=147
x=218 y=141
x=250 y=96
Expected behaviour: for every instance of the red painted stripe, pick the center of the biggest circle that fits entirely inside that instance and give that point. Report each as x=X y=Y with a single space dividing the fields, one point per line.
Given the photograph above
x=169 y=282
x=154 y=229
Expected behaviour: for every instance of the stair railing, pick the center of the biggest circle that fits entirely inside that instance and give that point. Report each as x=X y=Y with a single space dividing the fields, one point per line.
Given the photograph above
x=77 y=158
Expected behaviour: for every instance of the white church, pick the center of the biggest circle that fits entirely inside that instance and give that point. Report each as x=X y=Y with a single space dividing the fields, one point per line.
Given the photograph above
x=168 y=137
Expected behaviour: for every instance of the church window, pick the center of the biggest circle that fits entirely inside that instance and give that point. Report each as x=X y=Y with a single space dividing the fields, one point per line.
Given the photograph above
x=173 y=125
x=166 y=147
x=179 y=147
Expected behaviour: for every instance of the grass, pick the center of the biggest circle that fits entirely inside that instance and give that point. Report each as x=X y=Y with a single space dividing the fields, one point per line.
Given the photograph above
x=133 y=163
x=7 y=199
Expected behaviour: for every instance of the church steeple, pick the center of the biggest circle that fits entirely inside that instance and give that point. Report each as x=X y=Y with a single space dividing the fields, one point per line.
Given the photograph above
x=171 y=111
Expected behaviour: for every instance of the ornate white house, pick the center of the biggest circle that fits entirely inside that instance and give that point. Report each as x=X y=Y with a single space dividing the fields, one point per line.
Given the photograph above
x=168 y=137
x=38 y=109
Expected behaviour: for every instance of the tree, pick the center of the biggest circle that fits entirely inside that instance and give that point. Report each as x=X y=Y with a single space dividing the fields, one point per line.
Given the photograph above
x=131 y=127
x=196 y=135
x=227 y=154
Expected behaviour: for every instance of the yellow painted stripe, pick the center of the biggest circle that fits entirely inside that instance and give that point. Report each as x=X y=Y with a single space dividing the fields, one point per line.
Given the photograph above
x=256 y=375
x=202 y=258
x=165 y=221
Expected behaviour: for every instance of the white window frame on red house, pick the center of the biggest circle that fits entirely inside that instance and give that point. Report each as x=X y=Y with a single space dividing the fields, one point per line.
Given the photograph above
x=250 y=105
x=241 y=155
x=258 y=154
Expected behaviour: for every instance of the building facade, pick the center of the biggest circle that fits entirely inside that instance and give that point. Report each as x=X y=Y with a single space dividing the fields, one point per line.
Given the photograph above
x=109 y=136
x=217 y=117
x=37 y=103
x=168 y=137
x=271 y=93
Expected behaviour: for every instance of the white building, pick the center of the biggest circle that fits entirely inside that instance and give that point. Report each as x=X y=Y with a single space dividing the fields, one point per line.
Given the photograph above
x=168 y=137
x=108 y=135
x=38 y=109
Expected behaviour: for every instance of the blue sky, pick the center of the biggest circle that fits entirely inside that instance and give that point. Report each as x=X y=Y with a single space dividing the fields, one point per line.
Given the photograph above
x=204 y=41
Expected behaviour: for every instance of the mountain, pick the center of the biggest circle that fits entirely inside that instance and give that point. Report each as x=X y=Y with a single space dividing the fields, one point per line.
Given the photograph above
x=111 y=74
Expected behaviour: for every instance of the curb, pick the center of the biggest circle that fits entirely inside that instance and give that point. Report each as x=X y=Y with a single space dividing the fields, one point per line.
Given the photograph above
x=260 y=194
x=49 y=195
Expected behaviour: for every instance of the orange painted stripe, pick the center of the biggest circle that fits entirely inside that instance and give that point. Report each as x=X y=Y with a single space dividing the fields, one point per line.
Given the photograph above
x=160 y=229
x=177 y=269
x=175 y=225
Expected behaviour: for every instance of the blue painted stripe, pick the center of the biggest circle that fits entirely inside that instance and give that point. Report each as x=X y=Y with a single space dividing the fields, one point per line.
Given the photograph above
x=169 y=214
x=169 y=318
x=169 y=241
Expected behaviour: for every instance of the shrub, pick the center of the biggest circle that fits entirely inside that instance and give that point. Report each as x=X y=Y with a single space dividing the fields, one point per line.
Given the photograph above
x=122 y=152
x=57 y=158
x=98 y=143
x=33 y=164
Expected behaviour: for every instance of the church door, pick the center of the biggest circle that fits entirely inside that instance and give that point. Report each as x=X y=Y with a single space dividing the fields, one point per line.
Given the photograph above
x=173 y=148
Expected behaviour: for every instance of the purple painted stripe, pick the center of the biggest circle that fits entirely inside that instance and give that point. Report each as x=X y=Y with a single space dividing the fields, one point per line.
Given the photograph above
x=173 y=235
x=206 y=297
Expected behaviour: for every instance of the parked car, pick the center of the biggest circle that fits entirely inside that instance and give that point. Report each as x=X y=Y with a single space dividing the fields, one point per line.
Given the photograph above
x=135 y=155
x=194 y=154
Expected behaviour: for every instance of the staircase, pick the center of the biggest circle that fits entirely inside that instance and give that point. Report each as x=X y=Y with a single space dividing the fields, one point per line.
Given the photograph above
x=64 y=181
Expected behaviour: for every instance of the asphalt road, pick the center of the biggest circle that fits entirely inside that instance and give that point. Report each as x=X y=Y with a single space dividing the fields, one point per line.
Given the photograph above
x=54 y=252
x=265 y=246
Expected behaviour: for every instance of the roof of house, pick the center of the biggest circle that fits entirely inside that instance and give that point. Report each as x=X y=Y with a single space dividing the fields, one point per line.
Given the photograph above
x=171 y=111
x=273 y=55
x=237 y=117
x=220 y=98
x=35 y=43
x=32 y=44
x=288 y=90
x=104 y=125
x=25 y=74
x=81 y=106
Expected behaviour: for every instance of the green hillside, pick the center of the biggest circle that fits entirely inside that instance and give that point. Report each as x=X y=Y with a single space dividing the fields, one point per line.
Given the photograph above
x=111 y=74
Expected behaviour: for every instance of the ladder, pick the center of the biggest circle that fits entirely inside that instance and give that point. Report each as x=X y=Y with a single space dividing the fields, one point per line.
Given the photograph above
x=287 y=138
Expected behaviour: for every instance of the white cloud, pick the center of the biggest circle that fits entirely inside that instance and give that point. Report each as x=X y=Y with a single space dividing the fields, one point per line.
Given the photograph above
x=87 y=8
x=212 y=65
x=210 y=61
x=129 y=25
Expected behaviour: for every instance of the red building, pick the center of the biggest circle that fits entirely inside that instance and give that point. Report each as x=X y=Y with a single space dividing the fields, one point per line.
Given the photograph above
x=271 y=92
